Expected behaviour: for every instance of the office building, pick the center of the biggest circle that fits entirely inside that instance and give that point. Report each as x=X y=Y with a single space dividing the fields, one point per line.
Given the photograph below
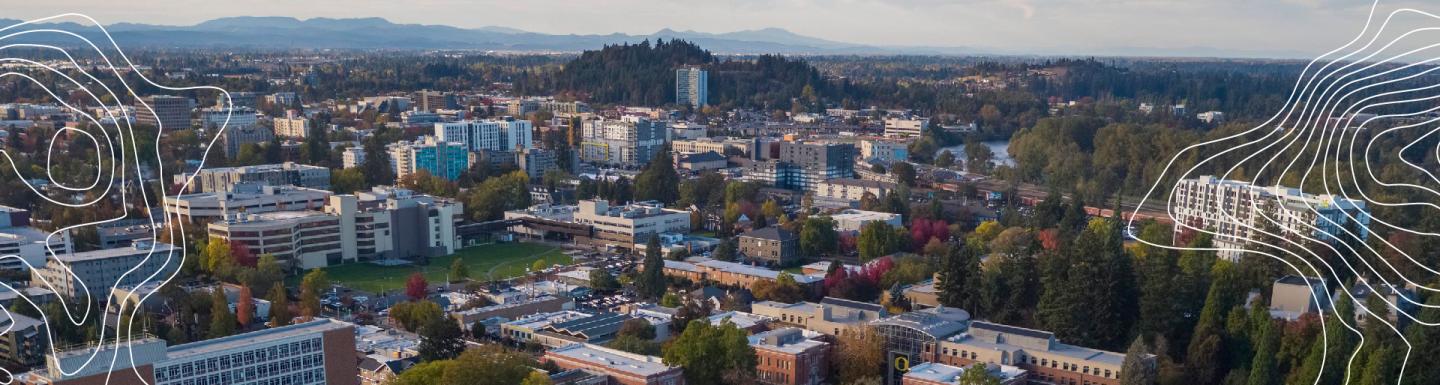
x=630 y=141
x=628 y=225
x=691 y=87
x=536 y=161
x=1237 y=211
x=621 y=367
x=437 y=157
x=294 y=127
x=790 y=356
x=435 y=100
x=906 y=127
x=304 y=239
x=246 y=198
x=312 y=353
x=288 y=173
x=32 y=245
x=771 y=245
x=833 y=316
x=931 y=373
x=164 y=112
x=215 y=118
x=885 y=150
x=851 y=189
x=852 y=220
x=507 y=134
x=801 y=166
x=96 y=272
x=235 y=137
x=733 y=274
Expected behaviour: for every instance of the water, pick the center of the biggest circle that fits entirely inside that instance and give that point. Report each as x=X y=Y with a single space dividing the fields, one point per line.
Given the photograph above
x=1001 y=148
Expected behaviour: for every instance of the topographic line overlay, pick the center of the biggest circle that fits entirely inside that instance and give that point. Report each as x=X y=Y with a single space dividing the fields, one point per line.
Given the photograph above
x=100 y=75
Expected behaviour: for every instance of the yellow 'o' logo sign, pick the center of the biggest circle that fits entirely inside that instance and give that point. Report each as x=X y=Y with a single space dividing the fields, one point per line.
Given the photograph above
x=902 y=364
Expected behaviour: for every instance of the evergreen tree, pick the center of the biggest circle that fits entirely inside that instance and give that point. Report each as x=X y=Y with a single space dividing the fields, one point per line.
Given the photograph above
x=441 y=339
x=1139 y=365
x=1264 y=368
x=958 y=273
x=222 y=322
x=651 y=281
x=659 y=181
x=1426 y=340
x=279 y=306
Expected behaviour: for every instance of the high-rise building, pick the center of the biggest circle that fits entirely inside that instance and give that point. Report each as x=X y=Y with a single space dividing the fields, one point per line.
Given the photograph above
x=802 y=166
x=224 y=179
x=170 y=112
x=508 y=134
x=628 y=141
x=435 y=100
x=1237 y=211
x=438 y=157
x=292 y=127
x=691 y=86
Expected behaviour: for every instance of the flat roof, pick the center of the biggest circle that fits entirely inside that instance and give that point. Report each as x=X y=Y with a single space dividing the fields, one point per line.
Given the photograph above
x=791 y=340
x=612 y=359
x=742 y=320
x=740 y=268
x=118 y=252
x=253 y=338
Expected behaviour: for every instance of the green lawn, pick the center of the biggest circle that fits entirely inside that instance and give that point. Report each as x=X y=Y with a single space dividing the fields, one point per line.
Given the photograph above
x=504 y=259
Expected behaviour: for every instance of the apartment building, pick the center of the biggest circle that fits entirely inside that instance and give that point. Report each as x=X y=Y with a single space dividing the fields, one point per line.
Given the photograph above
x=802 y=166
x=628 y=225
x=25 y=341
x=536 y=161
x=312 y=353
x=353 y=157
x=164 y=112
x=440 y=158
x=1237 y=211
x=622 y=368
x=771 y=245
x=630 y=141
x=288 y=173
x=851 y=189
x=692 y=87
x=832 y=316
x=790 y=356
x=885 y=150
x=235 y=137
x=247 y=198
x=32 y=245
x=295 y=127
x=507 y=134
x=96 y=272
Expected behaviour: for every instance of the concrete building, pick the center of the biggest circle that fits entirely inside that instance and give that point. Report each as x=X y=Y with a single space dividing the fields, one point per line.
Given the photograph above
x=507 y=134
x=701 y=161
x=801 y=166
x=215 y=118
x=294 y=127
x=854 y=220
x=32 y=245
x=851 y=189
x=625 y=226
x=931 y=373
x=437 y=157
x=732 y=274
x=790 y=356
x=771 y=245
x=25 y=341
x=536 y=161
x=353 y=157
x=1293 y=296
x=885 y=150
x=312 y=353
x=288 y=173
x=832 y=316
x=621 y=367
x=717 y=145
x=1038 y=352
x=248 y=198
x=692 y=87
x=96 y=272
x=303 y=239
x=906 y=127
x=629 y=141
x=235 y=137
x=164 y=112
x=1236 y=212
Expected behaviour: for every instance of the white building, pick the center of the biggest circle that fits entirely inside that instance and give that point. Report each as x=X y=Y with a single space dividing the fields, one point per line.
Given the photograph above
x=353 y=157
x=854 y=220
x=292 y=127
x=508 y=134
x=627 y=225
x=1236 y=211
x=906 y=127
x=250 y=198
x=30 y=244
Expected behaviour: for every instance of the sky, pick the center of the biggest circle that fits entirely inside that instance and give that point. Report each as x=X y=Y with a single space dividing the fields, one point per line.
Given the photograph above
x=1282 y=27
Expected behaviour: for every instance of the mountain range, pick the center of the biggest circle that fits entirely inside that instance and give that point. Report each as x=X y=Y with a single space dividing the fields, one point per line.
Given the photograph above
x=378 y=33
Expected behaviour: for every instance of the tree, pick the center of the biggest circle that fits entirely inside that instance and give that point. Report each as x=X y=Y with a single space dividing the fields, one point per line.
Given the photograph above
x=1426 y=340
x=538 y=266
x=904 y=173
x=412 y=315
x=459 y=271
x=441 y=339
x=601 y=279
x=818 y=237
x=484 y=365
x=651 y=281
x=959 y=273
x=537 y=378
x=222 y=322
x=726 y=250
x=857 y=352
x=772 y=210
x=416 y=288
x=659 y=181
x=877 y=239
x=783 y=289
x=1138 y=367
x=279 y=306
x=245 y=306
x=710 y=354
x=945 y=159
x=978 y=374
x=377 y=163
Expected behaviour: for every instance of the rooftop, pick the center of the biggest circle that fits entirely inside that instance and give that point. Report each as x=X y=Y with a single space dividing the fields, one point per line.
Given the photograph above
x=742 y=320
x=254 y=338
x=743 y=269
x=789 y=340
x=773 y=233
x=612 y=359
x=140 y=248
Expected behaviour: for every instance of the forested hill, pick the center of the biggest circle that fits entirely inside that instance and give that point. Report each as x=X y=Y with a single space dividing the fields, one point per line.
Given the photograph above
x=644 y=74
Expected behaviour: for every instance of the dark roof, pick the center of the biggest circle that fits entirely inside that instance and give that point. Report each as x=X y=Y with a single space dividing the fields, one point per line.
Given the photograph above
x=708 y=156
x=593 y=327
x=852 y=304
x=1298 y=280
x=1007 y=329
x=772 y=233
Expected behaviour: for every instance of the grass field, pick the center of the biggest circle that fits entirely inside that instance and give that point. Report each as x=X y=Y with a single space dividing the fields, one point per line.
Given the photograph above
x=504 y=260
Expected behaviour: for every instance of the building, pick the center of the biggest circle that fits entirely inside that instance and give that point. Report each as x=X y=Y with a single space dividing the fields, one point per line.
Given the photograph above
x=832 y=316
x=235 y=137
x=1237 y=211
x=95 y=273
x=692 y=87
x=628 y=225
x=436 y=100
x=25 y=341
x=885 y=150
x=771 y=245
x=164 y=112
x=931 y=373
x=851 y=189
x=801 y=166
x=1394 y=299
x=124 y=232
x=353 y=157
x=595 y=329
x=525 y=329
x=854 y=220
x=507 y=134
x=629 y=141
x=312 y=353
x=790 y=356
x=1046 y=359
x=292 y=127
x=720 y=146
x=288 y=173
x=536 y=161
x=437 y=157
x=1212 y=117
x=33 y=246
x=213 y=118
x=621 y=367
x=1292 y=296
x=733 y=274
x=906 y=127
x=247 y=198
x=304 y=239
x=701 y=161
